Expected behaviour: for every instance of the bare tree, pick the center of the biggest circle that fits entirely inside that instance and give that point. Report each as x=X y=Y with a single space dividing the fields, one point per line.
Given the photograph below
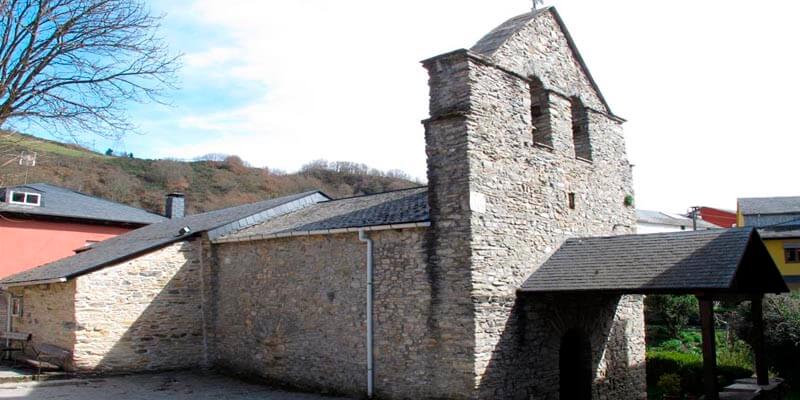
x=70 y=66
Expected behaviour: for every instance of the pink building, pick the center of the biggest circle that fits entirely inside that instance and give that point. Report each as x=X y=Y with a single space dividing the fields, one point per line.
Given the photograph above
x=40 y=223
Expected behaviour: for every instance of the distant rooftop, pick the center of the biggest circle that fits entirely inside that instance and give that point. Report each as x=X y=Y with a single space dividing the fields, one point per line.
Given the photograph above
x=662 y=218
x=769 y=205
x=60 y=202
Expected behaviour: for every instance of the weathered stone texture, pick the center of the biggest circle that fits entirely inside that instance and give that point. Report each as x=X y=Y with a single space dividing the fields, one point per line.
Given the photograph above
x=48 y=313
x=294 y=310
x=526 y=190
x=143 y=314
x=448 y=238
x=531 y=343
x=541 y=49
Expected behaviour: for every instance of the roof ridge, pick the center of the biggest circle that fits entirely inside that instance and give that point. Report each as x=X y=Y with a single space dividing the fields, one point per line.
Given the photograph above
x=768 y=197
x=374 y=194
x=100 y=198
x=697 y=232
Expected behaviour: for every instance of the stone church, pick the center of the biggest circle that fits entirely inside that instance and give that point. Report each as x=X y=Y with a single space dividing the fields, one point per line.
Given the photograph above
x=411 y=294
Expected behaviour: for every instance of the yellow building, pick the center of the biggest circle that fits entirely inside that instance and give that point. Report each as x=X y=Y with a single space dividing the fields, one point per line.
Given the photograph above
x=778 y=222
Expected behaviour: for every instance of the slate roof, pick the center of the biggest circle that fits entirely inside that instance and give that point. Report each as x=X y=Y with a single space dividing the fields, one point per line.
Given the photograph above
x=769 y=205
x=151 y=237
x=720 y=260
x=390 y=208
x=65 y=203
x=660 y=218
x=495 y=39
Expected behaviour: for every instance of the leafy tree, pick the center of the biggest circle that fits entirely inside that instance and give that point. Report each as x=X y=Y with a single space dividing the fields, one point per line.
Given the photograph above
x=71 y=65
x=109 y=152
x=673 y=311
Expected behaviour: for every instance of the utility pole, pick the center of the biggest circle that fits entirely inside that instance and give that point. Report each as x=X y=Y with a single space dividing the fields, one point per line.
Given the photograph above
x=28 y=161
x=693 y=214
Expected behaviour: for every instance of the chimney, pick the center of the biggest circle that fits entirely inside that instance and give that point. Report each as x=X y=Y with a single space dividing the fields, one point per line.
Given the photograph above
x=175 y=206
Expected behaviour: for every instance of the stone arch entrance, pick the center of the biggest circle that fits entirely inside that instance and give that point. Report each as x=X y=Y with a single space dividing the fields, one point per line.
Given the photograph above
x=575 y=366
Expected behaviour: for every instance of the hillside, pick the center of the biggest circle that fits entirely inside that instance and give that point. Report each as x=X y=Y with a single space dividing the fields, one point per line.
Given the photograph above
x=215 y=182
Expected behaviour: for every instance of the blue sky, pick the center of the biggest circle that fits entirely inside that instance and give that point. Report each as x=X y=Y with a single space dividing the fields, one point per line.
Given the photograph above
x=709 y=88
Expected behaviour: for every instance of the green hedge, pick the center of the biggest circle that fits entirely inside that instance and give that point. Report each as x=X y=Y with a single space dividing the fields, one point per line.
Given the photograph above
x=690 y=368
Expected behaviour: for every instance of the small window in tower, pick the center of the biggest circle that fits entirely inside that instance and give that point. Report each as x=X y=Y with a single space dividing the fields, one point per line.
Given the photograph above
x=571 y=199
x=540 y=114
x=580 y=130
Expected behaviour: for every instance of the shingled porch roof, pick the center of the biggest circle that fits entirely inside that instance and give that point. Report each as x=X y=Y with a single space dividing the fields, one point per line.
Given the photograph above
x=719 y=261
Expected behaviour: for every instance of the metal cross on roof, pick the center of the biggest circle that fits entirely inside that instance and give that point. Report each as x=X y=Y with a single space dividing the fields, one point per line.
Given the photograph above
x=537 y=3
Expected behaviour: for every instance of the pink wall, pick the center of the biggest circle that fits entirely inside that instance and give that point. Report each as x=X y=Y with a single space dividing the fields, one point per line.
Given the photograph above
x=25 y=244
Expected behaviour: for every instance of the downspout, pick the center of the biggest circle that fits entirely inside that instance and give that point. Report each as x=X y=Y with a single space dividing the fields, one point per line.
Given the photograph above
x=8 y=322
x=362 y=236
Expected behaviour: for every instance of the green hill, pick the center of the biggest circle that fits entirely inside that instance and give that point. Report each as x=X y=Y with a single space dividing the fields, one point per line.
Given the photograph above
x=212 y=183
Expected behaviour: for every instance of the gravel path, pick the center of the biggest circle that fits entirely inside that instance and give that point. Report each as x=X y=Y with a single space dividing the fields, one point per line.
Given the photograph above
x=177 y=385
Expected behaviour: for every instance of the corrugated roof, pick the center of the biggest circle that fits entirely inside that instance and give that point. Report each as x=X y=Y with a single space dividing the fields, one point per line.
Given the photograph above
x=661 y=218
x=396 y=207
x=769 y=205
x=721 y=260
x=151 y=237
x=65 y=203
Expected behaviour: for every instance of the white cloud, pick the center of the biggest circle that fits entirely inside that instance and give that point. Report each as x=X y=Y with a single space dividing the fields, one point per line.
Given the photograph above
x=343 y=78
x=215 y=56
x=708 y=87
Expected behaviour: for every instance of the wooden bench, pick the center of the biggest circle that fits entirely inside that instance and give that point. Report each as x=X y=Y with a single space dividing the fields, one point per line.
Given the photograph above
x=10 y=338
x=48 y=356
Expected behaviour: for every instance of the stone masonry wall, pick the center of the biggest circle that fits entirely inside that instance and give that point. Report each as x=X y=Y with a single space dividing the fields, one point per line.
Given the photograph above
x=527 y=190
x=48 y=313
x=293 y=311
x=613 y=327
x=143 y=314
x=448 y=238
x=517 y=203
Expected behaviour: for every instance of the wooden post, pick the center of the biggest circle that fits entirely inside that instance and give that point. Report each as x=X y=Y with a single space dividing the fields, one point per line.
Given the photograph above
x=762 y=374
x=709 y=348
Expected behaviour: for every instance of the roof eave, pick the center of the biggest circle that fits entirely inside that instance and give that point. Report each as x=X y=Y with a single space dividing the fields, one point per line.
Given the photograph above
x=5 y=286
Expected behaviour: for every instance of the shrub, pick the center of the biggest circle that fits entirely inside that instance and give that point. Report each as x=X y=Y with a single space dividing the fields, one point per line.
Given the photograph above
x=781 y=333
x=673 y=311
x=689 y=367
x=670 y=383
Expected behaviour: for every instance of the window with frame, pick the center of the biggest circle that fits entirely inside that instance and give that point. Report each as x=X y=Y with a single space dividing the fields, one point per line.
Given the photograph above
x=28 y=199
x=16 y=306
x=791 y=253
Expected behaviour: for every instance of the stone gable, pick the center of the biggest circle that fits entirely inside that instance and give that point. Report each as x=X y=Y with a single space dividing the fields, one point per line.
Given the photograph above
x=539 y=45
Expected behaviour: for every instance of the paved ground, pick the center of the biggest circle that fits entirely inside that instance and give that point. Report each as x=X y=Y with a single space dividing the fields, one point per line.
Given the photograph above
x=177 y=385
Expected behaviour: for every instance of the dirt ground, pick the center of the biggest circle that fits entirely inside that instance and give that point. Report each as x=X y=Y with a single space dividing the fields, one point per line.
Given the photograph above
x=177 y=385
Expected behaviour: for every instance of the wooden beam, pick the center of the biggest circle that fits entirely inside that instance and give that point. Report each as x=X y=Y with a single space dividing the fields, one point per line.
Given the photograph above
x=709 y=348
x=762 y=374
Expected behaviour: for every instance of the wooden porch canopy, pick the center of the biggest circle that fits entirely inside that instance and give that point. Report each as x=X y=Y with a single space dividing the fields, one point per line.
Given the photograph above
x=712 y=265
